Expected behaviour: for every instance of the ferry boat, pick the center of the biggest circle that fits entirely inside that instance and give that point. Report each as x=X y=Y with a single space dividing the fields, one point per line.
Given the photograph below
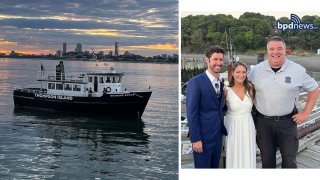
x=97 y=93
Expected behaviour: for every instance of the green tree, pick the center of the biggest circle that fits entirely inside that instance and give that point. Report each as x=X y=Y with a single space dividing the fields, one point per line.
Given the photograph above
x=197 y=40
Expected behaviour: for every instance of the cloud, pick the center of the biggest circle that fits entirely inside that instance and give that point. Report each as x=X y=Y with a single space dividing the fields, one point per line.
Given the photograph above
x=4 y=42
x=166 y=46
x=49 y=23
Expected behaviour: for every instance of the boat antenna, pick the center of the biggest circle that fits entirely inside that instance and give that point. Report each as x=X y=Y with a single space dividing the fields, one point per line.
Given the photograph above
x=230 y=55
x=42 y=67
x=227 y=40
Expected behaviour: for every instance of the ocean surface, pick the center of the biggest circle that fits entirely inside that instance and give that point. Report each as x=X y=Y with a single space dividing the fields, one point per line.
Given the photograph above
x=55 y=145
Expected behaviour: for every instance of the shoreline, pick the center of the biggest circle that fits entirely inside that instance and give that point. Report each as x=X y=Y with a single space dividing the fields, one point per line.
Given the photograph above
x=153 y=62
x=311 y=63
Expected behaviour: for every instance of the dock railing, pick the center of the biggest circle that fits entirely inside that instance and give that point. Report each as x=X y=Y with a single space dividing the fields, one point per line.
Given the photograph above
x=315 y=114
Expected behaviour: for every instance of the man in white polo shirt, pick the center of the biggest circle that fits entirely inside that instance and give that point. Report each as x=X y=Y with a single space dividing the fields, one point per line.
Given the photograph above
x=278 y=82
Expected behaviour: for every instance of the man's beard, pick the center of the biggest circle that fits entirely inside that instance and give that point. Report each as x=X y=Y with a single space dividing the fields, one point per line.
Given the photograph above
x=213 y=69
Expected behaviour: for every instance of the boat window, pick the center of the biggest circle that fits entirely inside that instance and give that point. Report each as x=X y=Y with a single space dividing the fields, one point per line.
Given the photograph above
x=90 y=79
x=101 y=79
x=76 y=87
x=51 y=85
x=68 y=87
x=108 y=80
x=119 y=80
x=113 y=79
x=59 y=86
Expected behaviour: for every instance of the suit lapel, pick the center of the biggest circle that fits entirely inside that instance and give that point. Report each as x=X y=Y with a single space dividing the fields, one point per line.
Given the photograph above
x=222 y=92
x=209 y=85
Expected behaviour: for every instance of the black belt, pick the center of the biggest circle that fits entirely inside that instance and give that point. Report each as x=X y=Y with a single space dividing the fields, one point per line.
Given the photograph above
x=277 y=118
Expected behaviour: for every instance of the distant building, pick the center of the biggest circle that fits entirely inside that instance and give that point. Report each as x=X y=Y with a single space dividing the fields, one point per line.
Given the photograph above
x=12 y=53
x=59 y=54
x=78 y=48
x=128 y=54
x=100 y=55
x=165 y=56
x=71 y=54
x=116 y=49
x=110 y=53
x=64 y=50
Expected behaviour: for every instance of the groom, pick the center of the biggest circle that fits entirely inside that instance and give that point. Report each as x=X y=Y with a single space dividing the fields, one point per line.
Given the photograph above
x=205 y=111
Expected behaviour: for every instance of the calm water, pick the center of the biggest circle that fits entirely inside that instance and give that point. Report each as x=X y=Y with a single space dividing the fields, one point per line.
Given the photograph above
x=52 y=145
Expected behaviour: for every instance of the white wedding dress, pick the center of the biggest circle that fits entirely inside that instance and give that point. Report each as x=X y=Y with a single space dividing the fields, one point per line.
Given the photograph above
x=240 y=143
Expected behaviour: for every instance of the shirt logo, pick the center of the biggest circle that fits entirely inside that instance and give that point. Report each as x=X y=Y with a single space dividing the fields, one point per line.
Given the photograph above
x=288 y=80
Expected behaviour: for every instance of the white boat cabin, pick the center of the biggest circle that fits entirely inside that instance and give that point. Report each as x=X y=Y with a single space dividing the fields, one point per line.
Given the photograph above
x=94 y=83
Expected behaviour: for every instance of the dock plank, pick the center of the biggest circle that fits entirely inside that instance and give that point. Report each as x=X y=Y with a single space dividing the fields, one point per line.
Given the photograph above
x=306 y=161
x=315 y=148
x=301 y=166
x=311 y=154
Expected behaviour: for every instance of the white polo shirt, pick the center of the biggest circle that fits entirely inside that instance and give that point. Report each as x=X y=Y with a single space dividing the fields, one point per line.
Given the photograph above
x=276 y=93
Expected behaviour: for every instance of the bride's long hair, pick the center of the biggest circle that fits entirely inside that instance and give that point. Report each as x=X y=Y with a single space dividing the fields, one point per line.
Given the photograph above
x=248 y=86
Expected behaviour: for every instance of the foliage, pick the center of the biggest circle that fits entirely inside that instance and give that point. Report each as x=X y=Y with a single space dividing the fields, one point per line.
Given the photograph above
x=249 y=32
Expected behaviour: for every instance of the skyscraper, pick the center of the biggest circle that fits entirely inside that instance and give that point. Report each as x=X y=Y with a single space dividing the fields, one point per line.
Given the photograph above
x=64 y=50
x=78 y=48
x=116 y=49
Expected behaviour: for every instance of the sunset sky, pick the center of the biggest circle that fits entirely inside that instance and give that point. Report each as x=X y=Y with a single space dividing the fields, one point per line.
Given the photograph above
x=145 y=27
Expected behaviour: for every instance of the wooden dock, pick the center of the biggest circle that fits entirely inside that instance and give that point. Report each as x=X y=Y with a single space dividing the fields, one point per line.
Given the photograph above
x=308 y=153
x=310 y=157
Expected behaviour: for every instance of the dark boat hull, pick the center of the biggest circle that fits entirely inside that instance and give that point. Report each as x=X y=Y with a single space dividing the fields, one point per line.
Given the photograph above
x=126 y=104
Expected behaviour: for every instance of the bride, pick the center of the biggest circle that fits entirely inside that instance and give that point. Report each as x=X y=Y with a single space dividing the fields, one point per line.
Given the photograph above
x=241 y=140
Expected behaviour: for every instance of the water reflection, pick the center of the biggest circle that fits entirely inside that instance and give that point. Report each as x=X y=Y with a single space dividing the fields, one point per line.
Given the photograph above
x=84 y=125
x=62 y=141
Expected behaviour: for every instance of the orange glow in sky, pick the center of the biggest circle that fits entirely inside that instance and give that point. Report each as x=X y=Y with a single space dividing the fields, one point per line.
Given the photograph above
x=36 y=52
x=3 y=51
x=167 y=46
x=3 y=43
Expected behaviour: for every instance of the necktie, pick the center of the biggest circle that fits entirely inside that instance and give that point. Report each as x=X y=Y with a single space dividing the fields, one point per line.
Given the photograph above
x=217 y=88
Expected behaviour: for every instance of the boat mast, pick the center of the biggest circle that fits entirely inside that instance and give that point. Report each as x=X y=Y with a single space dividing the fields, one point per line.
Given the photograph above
x=42 y=71
x=230 y=54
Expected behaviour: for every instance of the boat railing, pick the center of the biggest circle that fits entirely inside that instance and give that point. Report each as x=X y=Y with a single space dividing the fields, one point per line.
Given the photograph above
x=54 y=76
x=109 y=71
x=103 y=69
x=32 y=88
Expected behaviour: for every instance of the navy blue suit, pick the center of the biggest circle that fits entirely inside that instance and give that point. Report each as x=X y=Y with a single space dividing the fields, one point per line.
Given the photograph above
x=205 y=119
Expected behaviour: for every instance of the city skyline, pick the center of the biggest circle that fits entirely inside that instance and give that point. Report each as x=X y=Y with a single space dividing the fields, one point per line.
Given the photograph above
x=40 y=27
